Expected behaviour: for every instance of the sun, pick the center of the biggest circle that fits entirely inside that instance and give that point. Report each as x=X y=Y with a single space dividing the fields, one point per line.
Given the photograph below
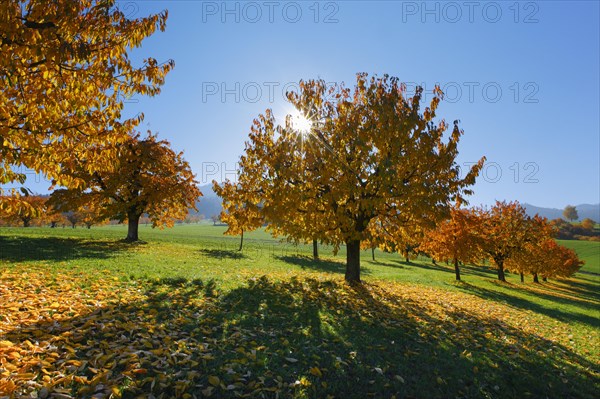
x=301 y=122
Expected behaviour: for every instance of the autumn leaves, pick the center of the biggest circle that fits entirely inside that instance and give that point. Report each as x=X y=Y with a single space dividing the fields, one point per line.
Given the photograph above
x=506 y=236
x=64 y=79
x=148 y=177
x=78 y=333
x=374 y=171
x=373 y=157
x=61 y=99
x=369 y=165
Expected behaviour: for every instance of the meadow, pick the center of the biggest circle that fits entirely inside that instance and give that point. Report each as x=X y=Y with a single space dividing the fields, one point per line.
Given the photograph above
x=184 y=314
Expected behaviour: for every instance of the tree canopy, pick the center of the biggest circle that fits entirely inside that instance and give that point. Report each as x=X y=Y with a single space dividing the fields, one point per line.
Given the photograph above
x=505 y=231
x=240 y=212
x=570 y=213
x=64 y=84
x=148 y=177
x=454 y=239
x=370 y=153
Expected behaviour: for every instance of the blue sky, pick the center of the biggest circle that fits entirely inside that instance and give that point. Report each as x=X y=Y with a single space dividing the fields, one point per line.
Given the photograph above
x=522 y=77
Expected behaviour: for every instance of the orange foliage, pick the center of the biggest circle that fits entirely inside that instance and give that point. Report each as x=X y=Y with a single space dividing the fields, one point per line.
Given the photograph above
x=65 y=72
x=504 y=231
x=454 y=239
x=25 y=211
x=545 y=258
x=149 y=177
x=371 y=154
x=241 y=211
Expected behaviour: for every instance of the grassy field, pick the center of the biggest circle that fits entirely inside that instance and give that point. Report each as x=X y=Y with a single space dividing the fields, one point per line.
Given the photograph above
x=186 y=315
x=588 y=251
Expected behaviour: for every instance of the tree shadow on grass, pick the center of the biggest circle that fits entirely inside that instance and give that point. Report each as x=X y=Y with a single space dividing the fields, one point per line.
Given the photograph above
x=323 y=265
x=481 y=271
x=364 y=336
x=428 y=266
x=388 y=263
x=295 y=338
x=585 y=287
x=465 y=270
x=223 y=254
x=567 y=317
x=568 y=287
x=22 y=249
x=552 y=292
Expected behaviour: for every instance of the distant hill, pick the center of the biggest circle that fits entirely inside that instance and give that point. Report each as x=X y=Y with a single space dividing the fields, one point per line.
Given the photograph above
x=210 y=204
x=583 y=210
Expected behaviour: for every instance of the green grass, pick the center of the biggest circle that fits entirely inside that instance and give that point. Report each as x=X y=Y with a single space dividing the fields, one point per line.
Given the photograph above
x=412 y=331
x=588 y=251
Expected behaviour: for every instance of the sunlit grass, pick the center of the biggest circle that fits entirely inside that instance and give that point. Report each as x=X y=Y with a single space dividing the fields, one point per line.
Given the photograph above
x=409 y=326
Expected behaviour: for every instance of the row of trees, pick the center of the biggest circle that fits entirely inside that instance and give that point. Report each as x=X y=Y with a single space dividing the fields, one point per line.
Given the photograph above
x=41 y=212
x=506 y=236
x=45 y=214
x=585 y=230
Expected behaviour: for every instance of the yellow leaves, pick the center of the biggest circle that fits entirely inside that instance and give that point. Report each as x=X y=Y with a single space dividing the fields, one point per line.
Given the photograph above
x=6 y=344
x=36 y=109
x=116 y=391
x=7 y=386
x=23 y=209
x=147 y=176
x=106 y=339
x=241 y=211
x=372 y=158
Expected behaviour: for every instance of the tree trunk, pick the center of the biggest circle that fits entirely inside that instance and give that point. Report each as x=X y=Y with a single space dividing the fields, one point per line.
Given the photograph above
x=25 y=222
x=315 y=250
x=433 y=261
x=535 y=278
x=241 y=241
x=501 y=276
x=353 y=261
x=373 y=253
x=89 y=226
x=456 y=269
x=522 y=278
x=133 y=222
x=544 y=278
x=73 y=225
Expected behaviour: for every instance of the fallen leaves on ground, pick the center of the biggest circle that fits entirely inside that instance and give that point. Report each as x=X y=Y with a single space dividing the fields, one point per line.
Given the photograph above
x=67 y=335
